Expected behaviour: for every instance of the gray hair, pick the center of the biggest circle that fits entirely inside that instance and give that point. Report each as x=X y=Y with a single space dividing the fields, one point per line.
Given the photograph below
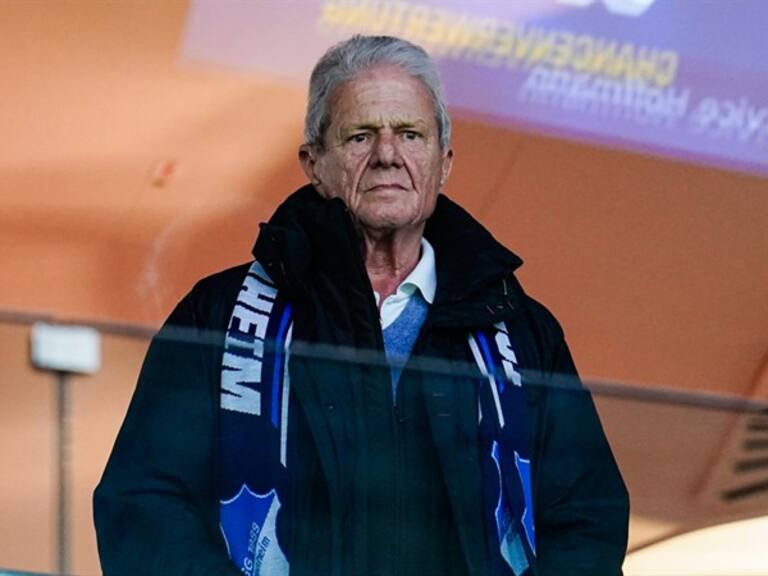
x=345 y=60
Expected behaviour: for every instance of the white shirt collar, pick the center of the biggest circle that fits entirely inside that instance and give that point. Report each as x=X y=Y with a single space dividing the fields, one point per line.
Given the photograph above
x=424 y=275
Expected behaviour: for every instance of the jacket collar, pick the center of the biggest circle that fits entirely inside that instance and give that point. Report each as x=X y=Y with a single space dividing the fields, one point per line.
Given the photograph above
x=469 y=258
x=475 y=282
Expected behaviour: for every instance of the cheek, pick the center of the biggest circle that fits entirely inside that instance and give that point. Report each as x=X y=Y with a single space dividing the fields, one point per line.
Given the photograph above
x=354 y=170
x=426 y=173
x=334 y=176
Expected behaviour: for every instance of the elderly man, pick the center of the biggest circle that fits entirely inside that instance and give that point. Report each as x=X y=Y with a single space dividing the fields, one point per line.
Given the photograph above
x=281 y=443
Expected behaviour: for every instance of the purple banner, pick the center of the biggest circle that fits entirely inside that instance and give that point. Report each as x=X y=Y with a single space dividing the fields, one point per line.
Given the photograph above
x=682 y=78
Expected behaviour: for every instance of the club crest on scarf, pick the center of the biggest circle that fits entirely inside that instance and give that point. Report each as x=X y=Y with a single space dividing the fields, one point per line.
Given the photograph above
x=249 y=526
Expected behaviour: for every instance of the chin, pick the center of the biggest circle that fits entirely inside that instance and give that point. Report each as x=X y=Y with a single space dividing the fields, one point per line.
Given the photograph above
x=386 y=222
x=389 y=215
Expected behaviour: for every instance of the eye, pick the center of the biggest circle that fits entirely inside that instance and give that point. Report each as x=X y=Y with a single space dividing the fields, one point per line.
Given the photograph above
x=358 y=138
x=411 y=135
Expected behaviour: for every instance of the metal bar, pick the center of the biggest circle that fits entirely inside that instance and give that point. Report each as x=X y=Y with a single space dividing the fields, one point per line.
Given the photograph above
x=112 y=328
x=62 y=455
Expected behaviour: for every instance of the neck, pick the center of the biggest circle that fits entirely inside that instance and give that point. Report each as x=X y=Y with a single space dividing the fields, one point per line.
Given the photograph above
x=390 y=257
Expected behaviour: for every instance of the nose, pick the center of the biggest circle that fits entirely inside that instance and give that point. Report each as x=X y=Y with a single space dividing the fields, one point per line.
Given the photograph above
x=385 y=152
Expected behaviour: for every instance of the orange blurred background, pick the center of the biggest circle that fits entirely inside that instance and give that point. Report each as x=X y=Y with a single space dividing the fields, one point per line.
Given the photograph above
x=127 y=174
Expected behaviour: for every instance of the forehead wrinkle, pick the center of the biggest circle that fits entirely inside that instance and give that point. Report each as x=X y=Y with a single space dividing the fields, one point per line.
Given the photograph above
x=366 y=103
x=394 y=123
x=418 y=123
x=363 y=124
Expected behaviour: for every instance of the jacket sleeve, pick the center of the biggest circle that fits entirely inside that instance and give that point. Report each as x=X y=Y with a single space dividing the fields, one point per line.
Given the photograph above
x=582 y=507
x=155 y=508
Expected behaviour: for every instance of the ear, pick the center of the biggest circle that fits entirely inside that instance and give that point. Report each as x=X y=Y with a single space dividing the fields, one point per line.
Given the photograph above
x=308 y=161
x=445 y=169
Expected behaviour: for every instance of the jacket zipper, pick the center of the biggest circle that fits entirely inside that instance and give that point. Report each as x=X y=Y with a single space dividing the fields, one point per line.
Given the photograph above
x=399 y=424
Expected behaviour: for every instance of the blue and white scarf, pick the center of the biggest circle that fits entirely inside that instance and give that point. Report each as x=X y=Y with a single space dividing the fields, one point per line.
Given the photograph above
x=253 y=434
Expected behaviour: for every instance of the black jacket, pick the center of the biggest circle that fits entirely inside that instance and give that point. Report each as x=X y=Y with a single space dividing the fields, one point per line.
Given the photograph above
x=156 y=510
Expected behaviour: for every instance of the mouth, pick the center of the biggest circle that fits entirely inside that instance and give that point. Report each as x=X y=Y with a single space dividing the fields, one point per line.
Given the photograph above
x=385 y=187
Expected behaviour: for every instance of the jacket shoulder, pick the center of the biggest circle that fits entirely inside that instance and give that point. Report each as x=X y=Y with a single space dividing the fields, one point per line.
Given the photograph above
x=537 y=335
x=223 y=281
x=544 y=320
x=209 y=304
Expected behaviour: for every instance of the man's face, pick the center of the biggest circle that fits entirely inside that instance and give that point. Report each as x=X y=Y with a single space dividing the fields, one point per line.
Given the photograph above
x=382 y=152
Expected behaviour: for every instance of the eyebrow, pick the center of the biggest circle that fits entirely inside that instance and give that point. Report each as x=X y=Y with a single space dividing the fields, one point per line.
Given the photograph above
x=398 y=125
